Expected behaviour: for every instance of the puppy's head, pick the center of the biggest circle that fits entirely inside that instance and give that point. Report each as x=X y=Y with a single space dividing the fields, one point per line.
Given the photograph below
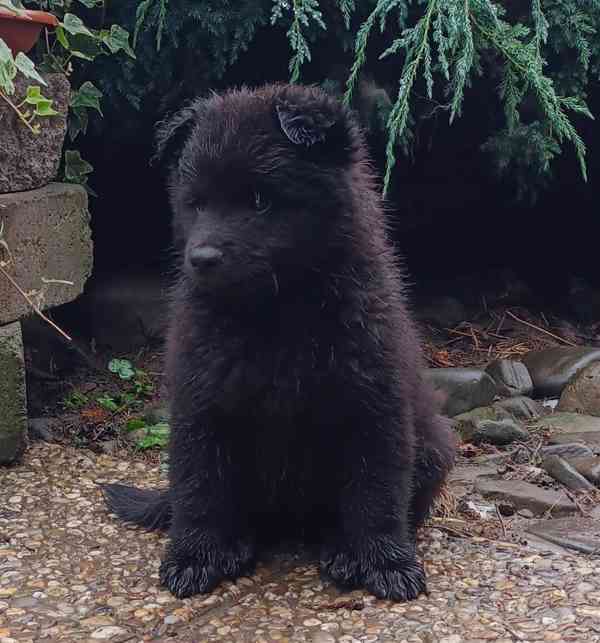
x=259 y=184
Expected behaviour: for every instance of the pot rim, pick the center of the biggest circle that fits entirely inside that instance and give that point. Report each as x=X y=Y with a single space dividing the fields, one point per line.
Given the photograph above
x=31 y=17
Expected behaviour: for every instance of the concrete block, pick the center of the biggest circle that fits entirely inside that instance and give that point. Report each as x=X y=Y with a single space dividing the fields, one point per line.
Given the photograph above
x=47 y=232
x=13 y=396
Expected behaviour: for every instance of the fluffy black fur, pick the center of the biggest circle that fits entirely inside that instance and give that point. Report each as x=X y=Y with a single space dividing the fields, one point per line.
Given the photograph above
x=292 y=361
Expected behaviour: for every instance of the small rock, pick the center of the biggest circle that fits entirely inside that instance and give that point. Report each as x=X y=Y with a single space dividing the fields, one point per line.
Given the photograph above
x=551 y=403
x=588 y=467
x=525 y=513
x=24 y=602
x=466 y=388
x=579 y=533
x=511 y=376
x=322 y=637
x=108 y=632
x=466 y=423
x=523 y=495
x=567 y=451
x=582 y=393
x=41 y=429
x=562 y=471
x=500 y=432
x=505 y=509
x=521 y=407
x=552 y=368
x=110 y=447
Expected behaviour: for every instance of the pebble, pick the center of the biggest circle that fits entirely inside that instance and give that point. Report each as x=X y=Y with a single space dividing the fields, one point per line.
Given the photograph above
x=108 y=632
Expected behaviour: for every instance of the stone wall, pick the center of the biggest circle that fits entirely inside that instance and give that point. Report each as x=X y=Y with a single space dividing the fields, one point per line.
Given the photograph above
x=45 y=236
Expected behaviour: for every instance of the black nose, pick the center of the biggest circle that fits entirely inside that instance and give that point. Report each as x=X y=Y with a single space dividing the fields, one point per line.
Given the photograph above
x=205 y=256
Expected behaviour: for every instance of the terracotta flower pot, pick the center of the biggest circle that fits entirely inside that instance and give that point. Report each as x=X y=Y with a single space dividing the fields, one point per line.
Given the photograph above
x=21 y=31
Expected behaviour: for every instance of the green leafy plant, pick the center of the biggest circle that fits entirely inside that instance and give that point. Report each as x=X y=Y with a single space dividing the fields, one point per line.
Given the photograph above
x=75 y=400
x=122 y=367
x=139 y=387
x=68 y=49
x=446 y=43
x=151 y=436
x=34 y=106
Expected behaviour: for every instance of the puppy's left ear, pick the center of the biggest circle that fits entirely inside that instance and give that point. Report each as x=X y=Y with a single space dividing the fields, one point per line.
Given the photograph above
x=317 y=125
x=302 y=125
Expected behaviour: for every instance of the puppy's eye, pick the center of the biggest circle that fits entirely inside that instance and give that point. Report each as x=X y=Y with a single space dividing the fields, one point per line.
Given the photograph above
x=262 y=205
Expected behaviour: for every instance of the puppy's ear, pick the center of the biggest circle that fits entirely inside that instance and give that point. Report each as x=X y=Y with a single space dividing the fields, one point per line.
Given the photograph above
x=316 y=124
x=172 y=133
x=303 y=125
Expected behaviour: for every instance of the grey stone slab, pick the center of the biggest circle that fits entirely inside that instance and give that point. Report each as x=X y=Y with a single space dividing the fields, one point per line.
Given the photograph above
x=13 y=395
x=579 y=533
x=47 y=232
x=523 y=495
x=591 y=439
x=568 y=423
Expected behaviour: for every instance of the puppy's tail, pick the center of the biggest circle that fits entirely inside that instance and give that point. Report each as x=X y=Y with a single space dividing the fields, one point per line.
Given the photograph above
x=147 y=508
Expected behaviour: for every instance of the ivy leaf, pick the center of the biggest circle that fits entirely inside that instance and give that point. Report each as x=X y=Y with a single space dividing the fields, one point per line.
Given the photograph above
x=7 y=69
x=76 y=168
x=26 y=66
x=78 y=122
x=117 y=39
x=12 y=7
x=43 y=105
x=84 y=47
x=90 y=4
x=44 y=108
x=74 y=25
x=121 y=367
x=87 y=97
x=34 y=95
x=61 y=36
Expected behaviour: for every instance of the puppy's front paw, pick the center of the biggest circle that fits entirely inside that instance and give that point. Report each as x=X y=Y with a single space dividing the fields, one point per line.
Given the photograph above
x=185 y=576
x=383 y=568
x=397 y=583
x=198 y=566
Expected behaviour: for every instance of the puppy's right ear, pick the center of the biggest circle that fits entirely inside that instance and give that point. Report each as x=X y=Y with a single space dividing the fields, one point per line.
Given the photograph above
x=172 y=133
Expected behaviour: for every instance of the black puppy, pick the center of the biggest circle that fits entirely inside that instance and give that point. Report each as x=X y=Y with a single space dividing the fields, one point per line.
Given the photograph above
x=292 y=362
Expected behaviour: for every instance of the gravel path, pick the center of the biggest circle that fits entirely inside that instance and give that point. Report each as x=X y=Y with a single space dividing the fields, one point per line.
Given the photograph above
x=70 y=572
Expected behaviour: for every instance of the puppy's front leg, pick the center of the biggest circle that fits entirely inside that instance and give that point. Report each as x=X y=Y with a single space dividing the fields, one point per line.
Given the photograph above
x=373 y=546
x=209 y=537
